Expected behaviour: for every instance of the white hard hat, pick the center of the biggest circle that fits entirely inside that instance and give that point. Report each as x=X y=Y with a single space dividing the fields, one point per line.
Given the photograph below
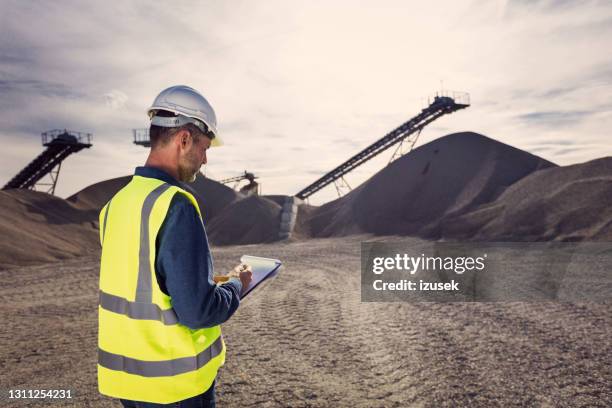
x=190 y=106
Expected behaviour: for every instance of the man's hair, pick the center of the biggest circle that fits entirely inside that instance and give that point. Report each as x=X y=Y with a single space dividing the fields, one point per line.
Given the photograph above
x=161 y=136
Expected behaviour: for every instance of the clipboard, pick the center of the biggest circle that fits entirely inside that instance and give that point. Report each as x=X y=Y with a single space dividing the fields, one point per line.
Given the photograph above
x=263 y=269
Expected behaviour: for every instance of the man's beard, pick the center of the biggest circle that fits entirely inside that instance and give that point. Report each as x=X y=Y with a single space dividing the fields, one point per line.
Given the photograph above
x=187 y=174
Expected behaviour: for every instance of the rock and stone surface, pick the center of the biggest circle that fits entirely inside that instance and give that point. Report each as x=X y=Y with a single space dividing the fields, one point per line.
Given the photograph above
x=306 y=340
x=570 y=203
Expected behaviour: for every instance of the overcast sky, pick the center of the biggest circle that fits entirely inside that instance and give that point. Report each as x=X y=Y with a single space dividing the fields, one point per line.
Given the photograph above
x=300 y=86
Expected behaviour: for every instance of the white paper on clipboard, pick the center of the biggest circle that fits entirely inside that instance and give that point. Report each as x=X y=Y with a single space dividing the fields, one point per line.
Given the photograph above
x=263 y=268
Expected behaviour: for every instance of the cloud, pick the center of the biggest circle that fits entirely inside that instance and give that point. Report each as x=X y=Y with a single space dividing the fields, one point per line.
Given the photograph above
x=518 y=7
x=115 y=99
x=555 y=118
x=38 y=87
x=302 y=86
x=562 y=152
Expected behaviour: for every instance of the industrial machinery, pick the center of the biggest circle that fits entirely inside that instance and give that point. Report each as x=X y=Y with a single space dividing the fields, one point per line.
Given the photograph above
x=251 y=188
x=141 y=137
x=59 y=145
x=408 y=133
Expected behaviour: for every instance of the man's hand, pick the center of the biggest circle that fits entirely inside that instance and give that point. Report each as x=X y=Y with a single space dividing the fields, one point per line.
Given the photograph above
x=220 y=278
x=245 y=278
x=235 y=273
x=242 y=272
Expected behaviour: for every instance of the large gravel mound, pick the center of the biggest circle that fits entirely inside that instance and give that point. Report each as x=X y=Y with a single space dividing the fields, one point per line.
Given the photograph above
x=248 y=221
x=444 y=178
x=37 y=227
x=571 y=203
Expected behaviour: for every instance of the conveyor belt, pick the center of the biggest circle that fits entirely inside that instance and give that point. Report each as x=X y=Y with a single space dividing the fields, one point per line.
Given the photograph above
x=441 y=105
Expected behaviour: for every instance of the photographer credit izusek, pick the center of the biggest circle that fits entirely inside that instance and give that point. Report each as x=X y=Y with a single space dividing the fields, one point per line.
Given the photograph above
x=414 y=264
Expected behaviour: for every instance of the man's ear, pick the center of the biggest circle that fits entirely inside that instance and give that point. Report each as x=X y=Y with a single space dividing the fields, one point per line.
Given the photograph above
x=183 y=138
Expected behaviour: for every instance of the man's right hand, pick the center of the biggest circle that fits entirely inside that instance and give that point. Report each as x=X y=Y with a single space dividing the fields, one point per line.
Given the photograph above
x=245 y=278
x=244 y=273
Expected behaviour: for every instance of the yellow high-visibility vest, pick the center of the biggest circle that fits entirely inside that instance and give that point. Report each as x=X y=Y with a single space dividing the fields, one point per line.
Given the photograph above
x=144 y=353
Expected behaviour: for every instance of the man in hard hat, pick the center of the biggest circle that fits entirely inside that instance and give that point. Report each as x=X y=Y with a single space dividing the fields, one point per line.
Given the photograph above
x=159 y=338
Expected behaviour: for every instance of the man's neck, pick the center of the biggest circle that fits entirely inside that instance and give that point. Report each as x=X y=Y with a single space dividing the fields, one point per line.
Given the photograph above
x=171 y=170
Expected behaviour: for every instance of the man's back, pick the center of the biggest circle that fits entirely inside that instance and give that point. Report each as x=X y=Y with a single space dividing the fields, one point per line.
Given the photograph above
x=145 y=354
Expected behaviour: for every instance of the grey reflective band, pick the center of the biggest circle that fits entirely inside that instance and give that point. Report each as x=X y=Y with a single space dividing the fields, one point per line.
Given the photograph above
x=180 y=120
x=136 y=310
x=174 y=121
x=105 y=218
x=144 y=289
x=163 y=368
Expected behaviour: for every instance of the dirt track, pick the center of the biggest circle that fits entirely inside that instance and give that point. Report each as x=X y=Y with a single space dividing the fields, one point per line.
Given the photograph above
x=306 y=340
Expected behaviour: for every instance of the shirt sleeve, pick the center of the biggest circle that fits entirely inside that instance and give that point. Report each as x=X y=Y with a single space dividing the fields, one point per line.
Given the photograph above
x=184 y=269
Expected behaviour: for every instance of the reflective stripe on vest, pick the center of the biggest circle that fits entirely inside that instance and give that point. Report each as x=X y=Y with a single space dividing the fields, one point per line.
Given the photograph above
x=137 y=310
x=160 y=368
x=144 y=290
x=105 y=219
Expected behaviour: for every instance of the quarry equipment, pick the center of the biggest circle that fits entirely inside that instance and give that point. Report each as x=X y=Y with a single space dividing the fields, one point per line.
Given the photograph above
x=141 y=137
x=251 y=188
x=442 y=103
x=59 y=145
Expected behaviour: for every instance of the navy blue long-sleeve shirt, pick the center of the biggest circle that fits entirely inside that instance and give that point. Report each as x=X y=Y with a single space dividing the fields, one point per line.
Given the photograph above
x=184 y=264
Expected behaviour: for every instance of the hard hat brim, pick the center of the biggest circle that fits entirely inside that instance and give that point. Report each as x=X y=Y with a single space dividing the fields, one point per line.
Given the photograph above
x=215 y=142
